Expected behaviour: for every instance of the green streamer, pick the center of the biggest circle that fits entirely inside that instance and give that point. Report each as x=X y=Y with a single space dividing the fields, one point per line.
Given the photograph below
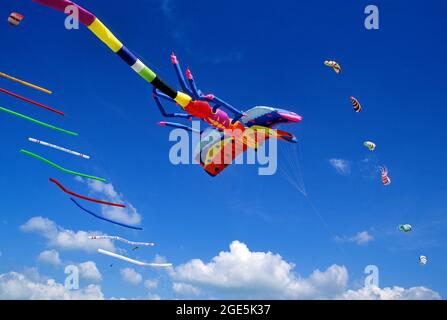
x=60 y=168
x=37 y=121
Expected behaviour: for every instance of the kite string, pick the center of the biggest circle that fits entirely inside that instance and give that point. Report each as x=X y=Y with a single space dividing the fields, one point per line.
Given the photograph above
x=303 y=190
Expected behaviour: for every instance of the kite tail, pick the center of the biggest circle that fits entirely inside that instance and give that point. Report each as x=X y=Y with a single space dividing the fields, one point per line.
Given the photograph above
x=105 y=35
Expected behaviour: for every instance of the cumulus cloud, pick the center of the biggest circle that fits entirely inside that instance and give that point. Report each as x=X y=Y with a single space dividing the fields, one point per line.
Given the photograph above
x=127 y=215
x=151 y=284
x=153 y=297
x=360 y=238
x=342 y=167
x=64 y=239
x=50 y=257
x=129 y=275
x=89 y=271
x=18 y=286
x=242 y=274
x=185 y=289
x=259 y=274
x=394 y=293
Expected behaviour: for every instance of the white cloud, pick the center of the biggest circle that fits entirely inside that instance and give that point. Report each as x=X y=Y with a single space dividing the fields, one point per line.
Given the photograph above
x=185 y=289
x=243 y=274
x=17 y=286
x=341 y=166
x=394 y=293
x=258 y=274
x=153 y=297
x=129 y=275
x=127 y=215
x=360 y=238
x=159 y=259
x=64 y=239
x=89 y=271
x=50 y=257
x=151 y=284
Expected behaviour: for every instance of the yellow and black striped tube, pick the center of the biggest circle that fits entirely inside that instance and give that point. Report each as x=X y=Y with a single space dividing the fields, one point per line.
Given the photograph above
x=105 y=35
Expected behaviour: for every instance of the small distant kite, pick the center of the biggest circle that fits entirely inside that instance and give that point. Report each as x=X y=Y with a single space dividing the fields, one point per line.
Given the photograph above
x=405 y=227
x=423 y=260
x=386 y=180
x=138 y=263
x=370 y=145
x=356 y=104
x=334 y=65
x=15 y=18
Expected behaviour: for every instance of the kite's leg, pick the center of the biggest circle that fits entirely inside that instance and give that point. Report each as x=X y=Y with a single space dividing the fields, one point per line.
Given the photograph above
x=163 y=111
x=195 y=92
x=180 y=77
x=178 y=126
x=221 y=103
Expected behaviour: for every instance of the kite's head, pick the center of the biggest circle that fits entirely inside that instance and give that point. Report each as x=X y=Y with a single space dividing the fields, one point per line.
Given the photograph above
x=269 y=117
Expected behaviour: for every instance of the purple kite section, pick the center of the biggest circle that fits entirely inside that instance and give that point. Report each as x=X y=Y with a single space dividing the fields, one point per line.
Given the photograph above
x=85 y=17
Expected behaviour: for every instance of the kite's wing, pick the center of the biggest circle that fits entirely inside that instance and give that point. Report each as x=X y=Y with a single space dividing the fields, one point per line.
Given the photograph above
x=218 y=151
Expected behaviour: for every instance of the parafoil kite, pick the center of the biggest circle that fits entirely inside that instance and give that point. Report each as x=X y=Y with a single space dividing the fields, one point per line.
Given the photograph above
x=370 y=145
x=405 y=227
x=356 y=104
x=423 y=260
x=386 y=180
x=334 y=65
x=15 y=18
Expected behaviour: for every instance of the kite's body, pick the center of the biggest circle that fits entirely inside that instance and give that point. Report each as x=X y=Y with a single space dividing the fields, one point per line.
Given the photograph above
x=208 y=108
x=15 y=18
x=370 y=145
x=405 y=227
x=386 y=180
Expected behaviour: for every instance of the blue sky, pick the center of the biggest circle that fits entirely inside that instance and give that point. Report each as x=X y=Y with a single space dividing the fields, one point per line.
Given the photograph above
x=272 y=54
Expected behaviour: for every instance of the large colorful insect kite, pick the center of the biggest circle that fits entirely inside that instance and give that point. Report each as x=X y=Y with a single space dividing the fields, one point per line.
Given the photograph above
x=231 y=135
